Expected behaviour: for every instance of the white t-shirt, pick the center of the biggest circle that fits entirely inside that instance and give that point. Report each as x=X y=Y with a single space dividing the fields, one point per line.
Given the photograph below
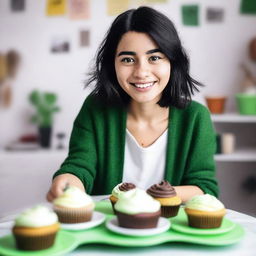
x=144 y=166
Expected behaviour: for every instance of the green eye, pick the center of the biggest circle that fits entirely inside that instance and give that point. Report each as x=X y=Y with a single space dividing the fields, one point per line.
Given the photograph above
x=127 y=60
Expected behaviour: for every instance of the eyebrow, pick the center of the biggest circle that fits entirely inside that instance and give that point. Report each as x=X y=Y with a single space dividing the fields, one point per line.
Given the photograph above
x=134 y=53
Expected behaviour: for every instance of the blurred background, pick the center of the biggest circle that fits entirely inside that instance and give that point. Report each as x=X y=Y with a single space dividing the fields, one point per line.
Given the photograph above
x=46 y=50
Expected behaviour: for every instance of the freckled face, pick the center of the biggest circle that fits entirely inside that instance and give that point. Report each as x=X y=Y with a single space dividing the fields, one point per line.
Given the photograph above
x=142 y=70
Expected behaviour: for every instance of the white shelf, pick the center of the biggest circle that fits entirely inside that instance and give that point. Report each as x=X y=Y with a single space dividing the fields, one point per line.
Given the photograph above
x=243 y=155
x=32 y=153
x=233 y=118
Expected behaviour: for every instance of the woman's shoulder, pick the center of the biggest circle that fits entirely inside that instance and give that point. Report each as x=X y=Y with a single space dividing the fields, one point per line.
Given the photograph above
x=196 y=106
x=193 y=109
x=91 y=101
x=95 y=104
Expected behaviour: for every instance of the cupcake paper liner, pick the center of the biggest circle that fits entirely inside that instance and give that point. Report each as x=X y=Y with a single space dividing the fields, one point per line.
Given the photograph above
x=169 y=211
x=33 y=243
x=74 y=215
x=200 y=219
x=138 y=221
x=204 y=221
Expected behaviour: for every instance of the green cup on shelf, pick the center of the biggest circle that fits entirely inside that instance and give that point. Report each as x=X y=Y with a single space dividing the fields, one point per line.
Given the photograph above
x=246 y=103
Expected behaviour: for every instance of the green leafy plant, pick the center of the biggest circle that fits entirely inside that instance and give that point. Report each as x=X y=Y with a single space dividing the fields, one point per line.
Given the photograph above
x=45 y=105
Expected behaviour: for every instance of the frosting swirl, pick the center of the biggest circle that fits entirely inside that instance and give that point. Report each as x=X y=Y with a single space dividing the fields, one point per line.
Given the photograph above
x=121 y=188
x=136 y=201
x=126 y=186
x=163 y=190
x=73 y=197
x=204 y=202
x=37 y=216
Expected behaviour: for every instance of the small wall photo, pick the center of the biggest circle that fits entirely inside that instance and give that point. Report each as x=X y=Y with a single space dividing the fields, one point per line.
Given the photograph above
x=60 y=44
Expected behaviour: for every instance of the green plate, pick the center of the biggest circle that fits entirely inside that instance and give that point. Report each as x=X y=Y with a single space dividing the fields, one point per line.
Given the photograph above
x=180 y=223
x=67 y=241
x=64 y=243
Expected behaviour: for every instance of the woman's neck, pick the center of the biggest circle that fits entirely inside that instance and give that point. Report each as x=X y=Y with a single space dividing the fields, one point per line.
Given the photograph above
x=147 y=112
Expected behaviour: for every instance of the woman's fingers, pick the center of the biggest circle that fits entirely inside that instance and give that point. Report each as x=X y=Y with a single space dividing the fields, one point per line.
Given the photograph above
x=49 y=196
x=57 y=187
x=59 y=184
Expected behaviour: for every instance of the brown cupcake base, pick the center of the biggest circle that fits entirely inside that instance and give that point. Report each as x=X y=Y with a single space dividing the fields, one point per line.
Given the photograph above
x=199 y=219
x=170 y=211
x=31 y=239
x=33 y=243
x=138 y=221
x=74 y=215
x=204 y=222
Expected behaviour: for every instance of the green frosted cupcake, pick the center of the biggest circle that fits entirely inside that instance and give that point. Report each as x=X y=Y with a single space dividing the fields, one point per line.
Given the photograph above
x=205 y=211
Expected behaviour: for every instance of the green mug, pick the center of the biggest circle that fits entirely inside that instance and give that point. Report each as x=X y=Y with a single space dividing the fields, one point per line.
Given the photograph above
x=246 y=103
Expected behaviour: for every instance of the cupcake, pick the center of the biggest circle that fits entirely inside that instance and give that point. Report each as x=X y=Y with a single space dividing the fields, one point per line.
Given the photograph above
x=136 y=209
x=204 y=211
x=120 y=189
x=165 y=193
x=73 y=206
x=35 y=229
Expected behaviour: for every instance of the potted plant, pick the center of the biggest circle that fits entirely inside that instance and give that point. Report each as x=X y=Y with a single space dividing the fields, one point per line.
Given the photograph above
x=45 y=105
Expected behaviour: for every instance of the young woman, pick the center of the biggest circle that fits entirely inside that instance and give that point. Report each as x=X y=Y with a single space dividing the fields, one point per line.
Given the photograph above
x=139 y=124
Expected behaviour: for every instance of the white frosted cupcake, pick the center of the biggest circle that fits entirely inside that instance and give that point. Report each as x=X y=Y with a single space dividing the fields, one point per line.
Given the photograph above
x=118 y=190
x=205 y=211
x=73 y=206
x=137 y=209
x=35 y=228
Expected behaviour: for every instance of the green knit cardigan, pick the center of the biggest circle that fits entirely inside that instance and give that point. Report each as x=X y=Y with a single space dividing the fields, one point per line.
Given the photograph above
x=96 y=148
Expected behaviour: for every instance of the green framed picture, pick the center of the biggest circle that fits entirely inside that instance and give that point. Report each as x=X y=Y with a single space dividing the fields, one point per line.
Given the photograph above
x=190 y=15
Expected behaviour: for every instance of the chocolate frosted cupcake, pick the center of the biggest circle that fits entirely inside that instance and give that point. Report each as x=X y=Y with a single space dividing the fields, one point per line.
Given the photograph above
x=165 y=193
x=136 y=209
x=120 y=189
x=35 y=229
x=73 y=206
x=204 y=211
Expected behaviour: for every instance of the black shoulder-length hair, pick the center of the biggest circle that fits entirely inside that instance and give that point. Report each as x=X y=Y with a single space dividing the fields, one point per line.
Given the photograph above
x=181 y=85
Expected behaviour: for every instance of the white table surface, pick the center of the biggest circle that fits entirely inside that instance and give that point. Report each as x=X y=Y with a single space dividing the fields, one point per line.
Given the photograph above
x=246 y=247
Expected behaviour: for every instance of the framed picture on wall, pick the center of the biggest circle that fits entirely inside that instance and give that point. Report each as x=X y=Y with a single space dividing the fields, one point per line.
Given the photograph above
x=60 y=44
x=17 y=5
x=84 y=38
x=214 y=14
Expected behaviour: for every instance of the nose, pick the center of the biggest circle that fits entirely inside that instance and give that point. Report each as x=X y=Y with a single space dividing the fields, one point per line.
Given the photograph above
x=141 y=70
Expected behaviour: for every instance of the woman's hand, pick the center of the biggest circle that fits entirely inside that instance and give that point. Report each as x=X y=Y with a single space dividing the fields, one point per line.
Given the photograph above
x=60 y=182
x=186 y=192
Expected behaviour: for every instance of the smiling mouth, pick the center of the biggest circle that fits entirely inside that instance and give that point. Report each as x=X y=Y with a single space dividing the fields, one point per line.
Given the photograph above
x=143 y=85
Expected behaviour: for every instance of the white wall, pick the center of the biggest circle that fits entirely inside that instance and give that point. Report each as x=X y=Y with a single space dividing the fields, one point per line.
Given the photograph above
x=215 y=51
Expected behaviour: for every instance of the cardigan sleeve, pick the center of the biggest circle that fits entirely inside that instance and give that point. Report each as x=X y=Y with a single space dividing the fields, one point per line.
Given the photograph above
x=200 y=165
x=82 y=157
